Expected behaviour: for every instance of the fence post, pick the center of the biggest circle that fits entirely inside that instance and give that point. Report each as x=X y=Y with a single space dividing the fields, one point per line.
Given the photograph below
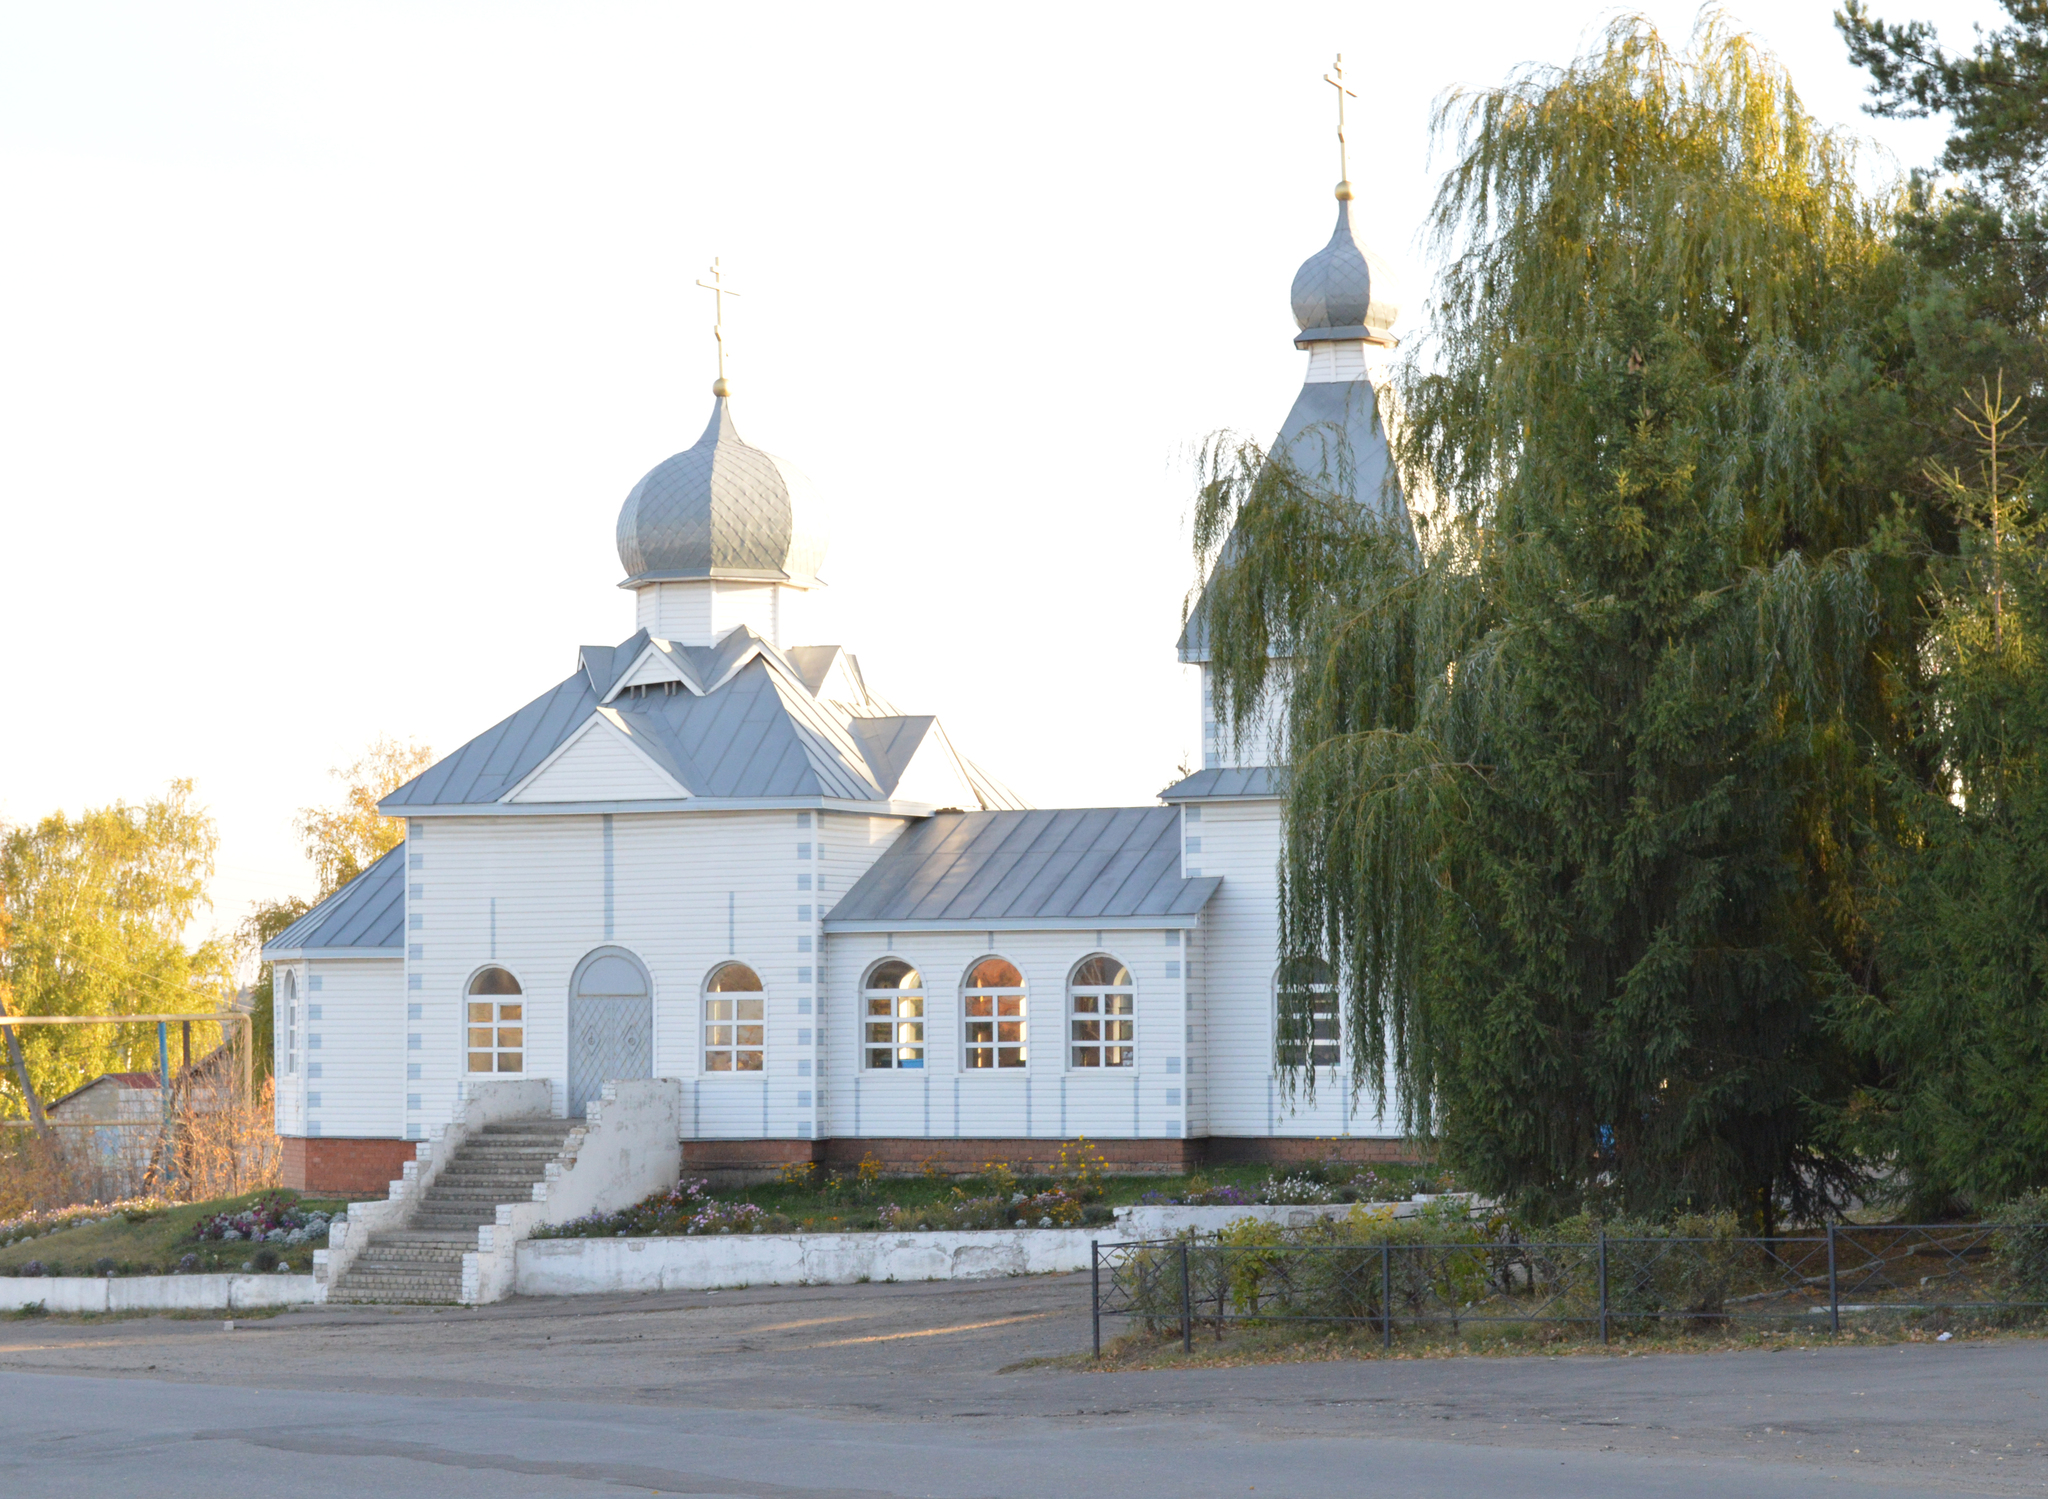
x=1603 y=1285
x=1095 y=1291
x=1187 y=1303
x=1834 y=1291
x=1386 y=1295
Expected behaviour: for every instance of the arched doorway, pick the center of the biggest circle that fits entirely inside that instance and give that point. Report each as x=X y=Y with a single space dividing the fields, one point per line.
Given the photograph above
x=611 y=1025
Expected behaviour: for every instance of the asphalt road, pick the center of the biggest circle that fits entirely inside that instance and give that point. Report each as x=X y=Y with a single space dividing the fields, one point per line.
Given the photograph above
x=896 y=1391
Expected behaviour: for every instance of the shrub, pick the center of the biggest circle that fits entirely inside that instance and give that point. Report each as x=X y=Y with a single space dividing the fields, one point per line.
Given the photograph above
x=2020 y=1246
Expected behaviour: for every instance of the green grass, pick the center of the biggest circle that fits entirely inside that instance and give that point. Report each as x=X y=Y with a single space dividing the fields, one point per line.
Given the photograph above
x=155 y=1244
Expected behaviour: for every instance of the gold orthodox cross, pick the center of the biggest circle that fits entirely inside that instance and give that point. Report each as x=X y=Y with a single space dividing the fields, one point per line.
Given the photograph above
x=719 y=292
x=1336 y=81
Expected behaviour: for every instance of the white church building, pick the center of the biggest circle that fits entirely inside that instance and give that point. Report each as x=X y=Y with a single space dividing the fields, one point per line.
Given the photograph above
x=711 y=853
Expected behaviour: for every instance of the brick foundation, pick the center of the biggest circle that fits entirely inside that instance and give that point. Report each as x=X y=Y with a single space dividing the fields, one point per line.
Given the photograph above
x=346 y=1167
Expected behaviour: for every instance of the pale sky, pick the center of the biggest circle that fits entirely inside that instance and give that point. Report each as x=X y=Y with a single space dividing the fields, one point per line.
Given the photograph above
x=335 y=335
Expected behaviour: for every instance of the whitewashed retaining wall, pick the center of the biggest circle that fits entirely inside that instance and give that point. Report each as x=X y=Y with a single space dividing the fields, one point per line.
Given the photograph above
x=569 y=1267
x=155 y=1293
x=1166 y=1221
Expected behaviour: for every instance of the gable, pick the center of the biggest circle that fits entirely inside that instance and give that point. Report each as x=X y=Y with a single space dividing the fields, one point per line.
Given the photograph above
x=934 y=775
x=654 y=667
x=598 y=763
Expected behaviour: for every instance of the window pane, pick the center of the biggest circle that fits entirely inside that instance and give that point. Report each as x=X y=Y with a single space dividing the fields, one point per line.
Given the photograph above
x=1086 y=1056
x=980 y=1004
x=479 y=1061
x=718 y=1061
x=752 y=1009
x=981 y=1030
x=511 y=1035
x=718 y=1009
x=734 y=978
x=478 y=1013
x=995 y=973
x=508 y=1061
x=913 y=1008
x=880 y=1006
x=750 y=1035
x=894 y=974
x=494 y=981
x=1009 y=1004
x=1087 y=1030
x=1119 y=1004
x=879 y=1057
x=747 y=1061
x=479 y=1035
x=1009 y=1030
x=912 y=1059
x=1085 y=1004
x=511 y=1012
x=718 y=1035
x=1116 y=1056
x=878 y=1032
x=1118 y=1030
x=1009 y=1056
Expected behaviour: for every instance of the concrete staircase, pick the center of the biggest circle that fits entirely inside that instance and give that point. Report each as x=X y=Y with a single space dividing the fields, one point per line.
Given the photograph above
x=421 y=1260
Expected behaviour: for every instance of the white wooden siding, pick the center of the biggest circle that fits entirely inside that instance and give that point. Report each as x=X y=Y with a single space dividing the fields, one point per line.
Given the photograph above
x=1235 y=964
x=1047 y=1099
x=361 y=1051
x=598 y=765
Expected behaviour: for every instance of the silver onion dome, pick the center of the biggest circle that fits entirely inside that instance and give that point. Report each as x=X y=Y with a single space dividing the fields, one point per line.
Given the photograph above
x=720 y=509
x=1345 y=288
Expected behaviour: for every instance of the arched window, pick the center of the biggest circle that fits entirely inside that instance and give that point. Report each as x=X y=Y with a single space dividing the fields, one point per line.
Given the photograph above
x=893 y=1015
x=1305 y=1015
x=291 y=1023
x=1101 y=1019
x=735 y=1020
x=994 y=1006
x=497 y=1023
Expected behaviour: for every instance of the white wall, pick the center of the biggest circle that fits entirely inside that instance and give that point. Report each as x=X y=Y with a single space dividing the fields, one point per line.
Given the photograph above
x=352 y=1047
x=1047 y=1099
x=689 y=891
x=1262 y=743
x=1239 y=1088
x=703 y=611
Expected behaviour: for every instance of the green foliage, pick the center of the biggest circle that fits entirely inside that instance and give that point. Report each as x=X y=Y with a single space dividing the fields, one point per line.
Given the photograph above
x=1578 y=778
x=1959 y=1025
x=93 y=914
x=2021 y=1246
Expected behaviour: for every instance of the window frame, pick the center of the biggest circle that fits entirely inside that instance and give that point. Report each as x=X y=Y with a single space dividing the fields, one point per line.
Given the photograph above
x=291 y=1022
x=871 y=996
x=996 y=994
x=1327 y=984
x=706 y=998
x=523 y=999
x=1070 y=1018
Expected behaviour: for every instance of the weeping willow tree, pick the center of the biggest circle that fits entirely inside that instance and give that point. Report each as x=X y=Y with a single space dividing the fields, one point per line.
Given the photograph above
x=1577 y=768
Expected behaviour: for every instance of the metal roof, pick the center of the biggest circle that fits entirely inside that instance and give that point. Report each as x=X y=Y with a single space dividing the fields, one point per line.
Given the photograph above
x=742 y=725
x=369 y=911
x=719 y=509
x=1345 y=287
x=1104 y=866
x=1254 y=782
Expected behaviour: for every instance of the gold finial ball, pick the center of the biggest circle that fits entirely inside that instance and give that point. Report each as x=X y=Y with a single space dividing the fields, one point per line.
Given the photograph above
x=1344 y=192
x=720 y=388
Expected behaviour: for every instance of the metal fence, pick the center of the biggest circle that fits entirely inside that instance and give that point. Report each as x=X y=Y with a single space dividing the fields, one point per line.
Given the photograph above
x=1609 y=1285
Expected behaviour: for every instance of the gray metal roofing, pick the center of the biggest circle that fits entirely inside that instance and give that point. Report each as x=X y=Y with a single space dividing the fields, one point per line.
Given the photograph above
x=369 y=911
x=1057 y=867
x=1344 y=284
x=1333 y=430
x=719 y=508
x=755 y=733
x=1255 y=781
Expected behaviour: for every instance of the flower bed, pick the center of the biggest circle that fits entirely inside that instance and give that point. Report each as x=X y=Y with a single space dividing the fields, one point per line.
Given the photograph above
x=275 y=1218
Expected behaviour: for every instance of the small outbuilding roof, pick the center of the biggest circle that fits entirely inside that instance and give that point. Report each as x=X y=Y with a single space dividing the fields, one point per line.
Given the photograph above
x=367 y=912
x=1005 y=871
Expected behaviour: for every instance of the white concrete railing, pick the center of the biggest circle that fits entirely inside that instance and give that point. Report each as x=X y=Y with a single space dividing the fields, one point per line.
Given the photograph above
x=484 y=1103
x=630 y=1148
